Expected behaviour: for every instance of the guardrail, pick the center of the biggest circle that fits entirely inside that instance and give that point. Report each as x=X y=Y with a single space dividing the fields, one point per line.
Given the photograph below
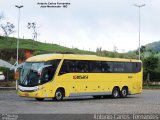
x=154 y=83
x=7 y=88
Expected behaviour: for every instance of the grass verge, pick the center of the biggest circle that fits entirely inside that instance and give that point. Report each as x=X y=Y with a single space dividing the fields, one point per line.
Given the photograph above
x=151 y=87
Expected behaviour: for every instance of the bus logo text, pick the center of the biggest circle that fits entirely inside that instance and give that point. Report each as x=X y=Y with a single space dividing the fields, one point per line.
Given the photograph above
x=80 y=77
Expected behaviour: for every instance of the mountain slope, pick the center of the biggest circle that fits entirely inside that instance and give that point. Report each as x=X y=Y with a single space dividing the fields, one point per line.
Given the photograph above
x=154 y=46
x=8 y=50
x=11 y=43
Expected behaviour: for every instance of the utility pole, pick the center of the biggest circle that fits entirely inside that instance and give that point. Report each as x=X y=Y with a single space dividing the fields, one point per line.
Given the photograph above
x=139 y=6
x=18 y=36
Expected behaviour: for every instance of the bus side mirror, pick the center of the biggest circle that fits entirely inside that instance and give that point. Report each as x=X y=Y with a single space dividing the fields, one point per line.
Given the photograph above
x=19 y=67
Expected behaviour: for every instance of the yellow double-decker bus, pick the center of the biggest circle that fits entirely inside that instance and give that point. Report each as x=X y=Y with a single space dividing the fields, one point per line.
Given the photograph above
x=62 y=75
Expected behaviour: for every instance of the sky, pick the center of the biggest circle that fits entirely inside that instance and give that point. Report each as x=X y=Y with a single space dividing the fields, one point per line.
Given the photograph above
x=87 y=24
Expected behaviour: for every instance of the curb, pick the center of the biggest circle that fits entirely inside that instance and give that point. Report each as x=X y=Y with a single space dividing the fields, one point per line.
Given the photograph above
x=151 y=88
x=7 y=88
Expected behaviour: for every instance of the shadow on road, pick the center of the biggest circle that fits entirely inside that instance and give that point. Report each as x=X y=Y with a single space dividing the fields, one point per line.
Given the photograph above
x=82 y=98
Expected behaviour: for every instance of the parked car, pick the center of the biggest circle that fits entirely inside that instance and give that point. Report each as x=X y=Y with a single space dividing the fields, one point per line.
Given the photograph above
x=2 y=77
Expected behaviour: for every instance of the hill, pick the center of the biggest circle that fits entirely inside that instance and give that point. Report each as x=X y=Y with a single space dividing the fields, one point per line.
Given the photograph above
x=154 y=46
x=11 y=43
x=8 y=47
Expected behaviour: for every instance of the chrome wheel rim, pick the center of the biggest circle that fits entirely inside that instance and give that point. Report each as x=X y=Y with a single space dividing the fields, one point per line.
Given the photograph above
x=58 y=95
x=124 y=92
x=115 y=93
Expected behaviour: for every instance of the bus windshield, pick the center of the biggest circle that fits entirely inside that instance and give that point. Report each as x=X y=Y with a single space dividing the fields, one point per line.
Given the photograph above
x=30 y=74
x=37 y=73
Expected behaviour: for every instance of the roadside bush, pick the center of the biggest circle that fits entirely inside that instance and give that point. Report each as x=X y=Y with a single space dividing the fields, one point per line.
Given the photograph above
x=153 y=75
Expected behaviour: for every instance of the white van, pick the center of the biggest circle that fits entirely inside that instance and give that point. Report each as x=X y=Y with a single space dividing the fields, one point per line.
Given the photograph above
x=2 y=77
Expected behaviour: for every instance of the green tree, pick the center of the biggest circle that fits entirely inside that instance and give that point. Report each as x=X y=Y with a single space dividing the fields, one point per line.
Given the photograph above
x=150 y=63
x=142 y=52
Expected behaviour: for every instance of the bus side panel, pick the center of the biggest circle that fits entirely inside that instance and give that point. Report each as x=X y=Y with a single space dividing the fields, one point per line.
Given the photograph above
x=91 y=82
x=137 y=83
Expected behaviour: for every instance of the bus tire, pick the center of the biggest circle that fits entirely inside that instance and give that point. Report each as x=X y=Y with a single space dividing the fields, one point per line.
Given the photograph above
x=39 y=99
x=115 y=92
x=124 y=92
x=59 y=95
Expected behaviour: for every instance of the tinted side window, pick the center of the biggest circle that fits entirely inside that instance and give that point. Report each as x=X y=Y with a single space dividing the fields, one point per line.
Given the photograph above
x=48 y=72
x=128 y=67
x=136 y=67
x=81 y=66
x=95 y=66
x=67 y=66
x=107 y=67
x=118 y=67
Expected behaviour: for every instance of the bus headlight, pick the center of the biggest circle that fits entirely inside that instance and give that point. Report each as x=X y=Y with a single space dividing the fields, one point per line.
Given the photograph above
x=37 y=88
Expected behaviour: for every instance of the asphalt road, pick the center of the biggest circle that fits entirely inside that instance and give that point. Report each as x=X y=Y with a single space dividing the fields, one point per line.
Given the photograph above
x=148 y=103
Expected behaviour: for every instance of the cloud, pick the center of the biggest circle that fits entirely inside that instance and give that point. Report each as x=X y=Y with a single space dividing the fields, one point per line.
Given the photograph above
x=90 y=24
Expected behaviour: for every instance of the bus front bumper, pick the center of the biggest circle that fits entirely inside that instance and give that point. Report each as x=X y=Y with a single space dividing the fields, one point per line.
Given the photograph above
x=35 y=94
x=30 y=92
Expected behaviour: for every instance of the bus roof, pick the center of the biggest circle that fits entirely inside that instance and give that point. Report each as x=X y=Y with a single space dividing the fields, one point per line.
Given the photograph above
x=47 y=57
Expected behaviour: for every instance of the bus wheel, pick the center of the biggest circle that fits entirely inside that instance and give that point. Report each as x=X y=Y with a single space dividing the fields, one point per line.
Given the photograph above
x=124 y=92
x=115 y=92
x=59 y=95
x=39 y=99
